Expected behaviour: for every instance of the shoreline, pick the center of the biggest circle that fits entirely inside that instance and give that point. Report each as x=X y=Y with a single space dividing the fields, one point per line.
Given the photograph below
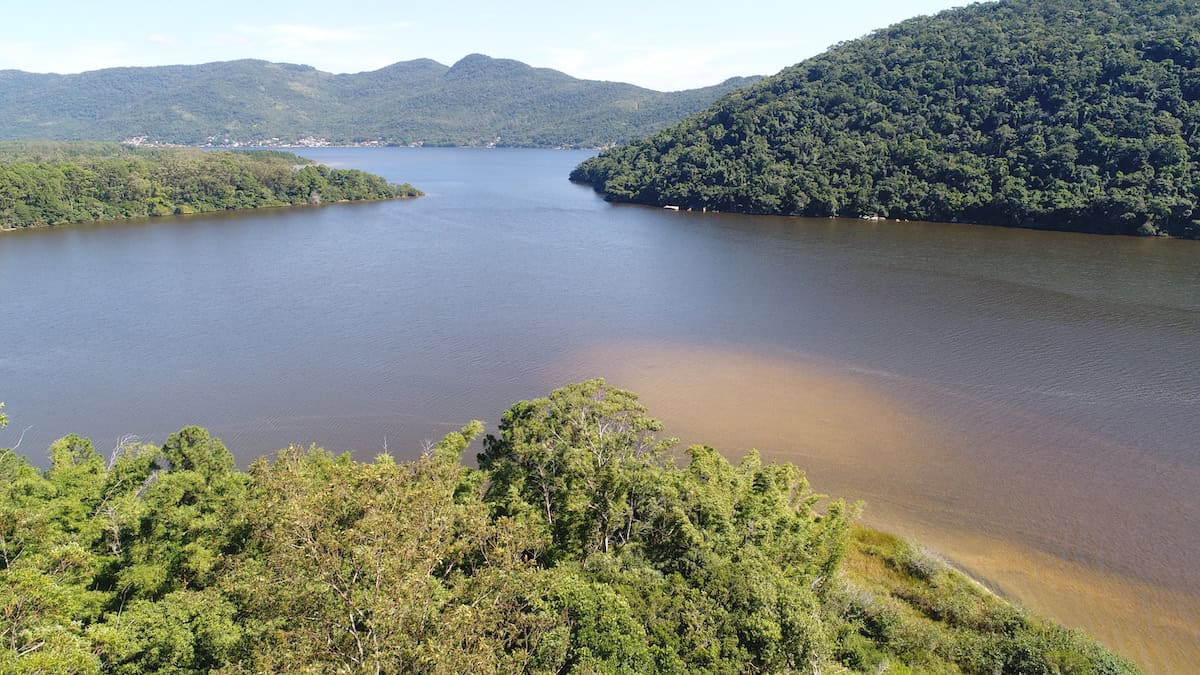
x=280 y=207
x=334 y=146
x=941 y=486
x=862 y=217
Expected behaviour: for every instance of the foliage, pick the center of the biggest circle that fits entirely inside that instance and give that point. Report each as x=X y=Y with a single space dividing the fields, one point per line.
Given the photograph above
x=578 y=545
x=896 y=602
x=1056 y=114
x=56 y=183
x=477 y=101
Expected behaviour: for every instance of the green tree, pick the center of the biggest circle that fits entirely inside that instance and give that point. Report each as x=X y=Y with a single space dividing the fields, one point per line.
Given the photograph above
x=53 y=183
x=578 y=459
x=577 y=546
x=1054 y=114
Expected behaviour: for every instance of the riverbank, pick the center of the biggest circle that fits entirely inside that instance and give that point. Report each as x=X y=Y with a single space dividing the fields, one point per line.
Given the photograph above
x=870 y=217
x=1043 y=536
x=174 y=216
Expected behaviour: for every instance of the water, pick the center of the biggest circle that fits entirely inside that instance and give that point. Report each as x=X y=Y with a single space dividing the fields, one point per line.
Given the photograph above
x=1027 y=403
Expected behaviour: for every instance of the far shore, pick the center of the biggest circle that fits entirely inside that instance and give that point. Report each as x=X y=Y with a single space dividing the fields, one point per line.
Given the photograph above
x=172 y=216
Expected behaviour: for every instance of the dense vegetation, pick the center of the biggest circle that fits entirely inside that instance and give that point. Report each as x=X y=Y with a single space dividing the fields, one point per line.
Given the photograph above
x=1058 y=114
x=577 y=545
x=478 y=101
x=56 y=183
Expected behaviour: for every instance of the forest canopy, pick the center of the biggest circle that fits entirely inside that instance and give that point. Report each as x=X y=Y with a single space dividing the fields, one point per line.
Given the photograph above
x=59 y=183
x=579 y=544
x=1056 y=114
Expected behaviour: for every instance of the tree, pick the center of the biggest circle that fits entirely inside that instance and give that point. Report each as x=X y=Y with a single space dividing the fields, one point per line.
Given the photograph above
x=576 y=459
x=46 y=184
x=1054 y=114
x=579 y=546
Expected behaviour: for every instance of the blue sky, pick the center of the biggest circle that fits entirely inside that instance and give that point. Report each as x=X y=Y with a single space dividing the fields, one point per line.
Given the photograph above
x=663 y=45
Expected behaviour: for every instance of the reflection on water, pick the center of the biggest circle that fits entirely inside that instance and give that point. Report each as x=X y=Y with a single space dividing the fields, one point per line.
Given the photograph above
x=1021 y=400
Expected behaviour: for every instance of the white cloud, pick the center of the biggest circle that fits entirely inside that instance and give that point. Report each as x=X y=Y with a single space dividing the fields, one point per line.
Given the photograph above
x=67 y=57
x=569 y=61
x=293 y=36
x=336 y=49
x=662 y=68
x=158 y=39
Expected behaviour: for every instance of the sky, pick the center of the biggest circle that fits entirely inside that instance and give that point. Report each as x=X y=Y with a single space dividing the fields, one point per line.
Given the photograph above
x=665 y=45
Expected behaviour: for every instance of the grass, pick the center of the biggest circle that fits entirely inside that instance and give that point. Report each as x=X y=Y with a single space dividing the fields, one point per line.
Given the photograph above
x=901 y=605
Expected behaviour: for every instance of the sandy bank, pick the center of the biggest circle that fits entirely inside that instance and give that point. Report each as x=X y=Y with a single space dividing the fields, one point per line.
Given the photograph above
x=1043 y=526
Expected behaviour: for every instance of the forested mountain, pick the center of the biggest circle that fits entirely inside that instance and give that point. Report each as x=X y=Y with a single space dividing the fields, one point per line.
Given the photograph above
x=1077 y=115
x=477 y=101
x=578 y=545
x=57 y=183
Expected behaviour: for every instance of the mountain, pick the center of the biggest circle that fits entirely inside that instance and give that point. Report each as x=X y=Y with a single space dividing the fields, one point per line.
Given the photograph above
x=1075 y=115
x=477 y=101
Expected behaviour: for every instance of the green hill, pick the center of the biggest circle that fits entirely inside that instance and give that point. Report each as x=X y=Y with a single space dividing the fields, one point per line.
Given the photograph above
x=477 y=101
x=1057 y=114
x=578 y=545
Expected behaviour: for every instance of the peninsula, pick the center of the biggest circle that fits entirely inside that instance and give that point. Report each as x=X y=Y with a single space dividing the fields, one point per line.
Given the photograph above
x=43 y=184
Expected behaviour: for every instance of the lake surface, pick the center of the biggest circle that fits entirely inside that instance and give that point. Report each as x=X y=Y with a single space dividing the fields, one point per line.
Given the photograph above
x=1026 y=403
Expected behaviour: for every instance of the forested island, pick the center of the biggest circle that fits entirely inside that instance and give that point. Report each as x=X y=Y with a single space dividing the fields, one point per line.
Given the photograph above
x=578 y=544
x=1055 y=114
x=58 y=183
x=477 y=101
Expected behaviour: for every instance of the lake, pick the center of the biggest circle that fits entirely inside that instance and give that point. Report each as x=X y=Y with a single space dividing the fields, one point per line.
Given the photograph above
x=1025 y=403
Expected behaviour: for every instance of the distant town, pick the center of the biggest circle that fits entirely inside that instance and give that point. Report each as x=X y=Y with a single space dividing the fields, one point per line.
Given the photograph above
x=315 y=142
x=273 y=142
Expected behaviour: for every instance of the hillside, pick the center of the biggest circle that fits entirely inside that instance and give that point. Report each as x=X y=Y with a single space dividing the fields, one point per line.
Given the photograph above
x=477 y=101
x=1056 y=114
x=57 y=183
x=577 y=545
